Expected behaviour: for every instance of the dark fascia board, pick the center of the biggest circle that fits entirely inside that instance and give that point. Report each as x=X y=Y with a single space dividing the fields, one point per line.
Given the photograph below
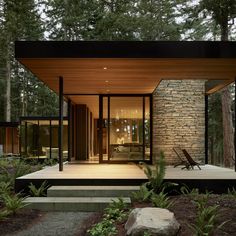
x=125 y=49
x=8 y=124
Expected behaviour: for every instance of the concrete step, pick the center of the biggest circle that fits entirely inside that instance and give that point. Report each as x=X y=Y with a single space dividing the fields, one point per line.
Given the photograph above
x=85 y=204
x=91 y=191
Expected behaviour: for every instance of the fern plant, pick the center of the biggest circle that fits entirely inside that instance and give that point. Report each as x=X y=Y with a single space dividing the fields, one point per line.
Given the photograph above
x=143 y=195
x=13 y=202
x=38 y=192
x=186 y=191
x=5 y=188
x=206 y=217
x=161 y=200
x=3 y=214
x=156 y=176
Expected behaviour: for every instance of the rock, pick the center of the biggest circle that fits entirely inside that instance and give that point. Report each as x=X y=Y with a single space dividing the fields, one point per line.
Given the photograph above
x=155 y=221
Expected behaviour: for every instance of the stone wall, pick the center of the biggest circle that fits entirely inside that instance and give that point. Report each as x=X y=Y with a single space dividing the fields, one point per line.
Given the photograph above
x=179 y=118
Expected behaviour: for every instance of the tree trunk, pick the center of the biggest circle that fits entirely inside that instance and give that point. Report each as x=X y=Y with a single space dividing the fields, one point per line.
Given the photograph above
x=8 y=87
x=228 y=134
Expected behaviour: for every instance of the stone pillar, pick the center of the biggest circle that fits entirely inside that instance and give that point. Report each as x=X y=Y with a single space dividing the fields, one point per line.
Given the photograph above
x=179 y=119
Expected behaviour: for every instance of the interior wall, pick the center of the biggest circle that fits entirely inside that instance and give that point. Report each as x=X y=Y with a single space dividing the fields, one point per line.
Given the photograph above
x=179 y=118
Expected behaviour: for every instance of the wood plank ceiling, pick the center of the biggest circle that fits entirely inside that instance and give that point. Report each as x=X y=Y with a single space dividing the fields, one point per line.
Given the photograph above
x=125 y=76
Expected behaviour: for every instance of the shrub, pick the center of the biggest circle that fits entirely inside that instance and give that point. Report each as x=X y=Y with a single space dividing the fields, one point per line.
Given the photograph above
x=232 y=192
x=143 y=195
x=206 y=217
x=13 y=202
x=161 y=200
x=104 y=228
x=5 y=188
x=186 y=191
x=116 y=211
x=38 y=192
x=3 y=214
x=156 y=176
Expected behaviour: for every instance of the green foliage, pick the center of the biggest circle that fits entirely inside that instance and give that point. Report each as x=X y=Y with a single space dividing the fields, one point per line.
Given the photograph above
x=156 y=176
x=3 y=214
x=185 y=190
x=118 y=204
x=161 y=200
x=232 y=192
x=115 y=212
x=146 y=234
x=38 y=192
x=13 y=202
x=5 y=188
x=104 y=228
x=206 y=217
x=50 y=162
x=143 y=195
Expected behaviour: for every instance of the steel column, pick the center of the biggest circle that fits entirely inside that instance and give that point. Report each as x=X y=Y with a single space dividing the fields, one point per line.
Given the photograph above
x=60 y=131
x=234 y=125
x=206 y=129
x=100 y=127
x=69 y=129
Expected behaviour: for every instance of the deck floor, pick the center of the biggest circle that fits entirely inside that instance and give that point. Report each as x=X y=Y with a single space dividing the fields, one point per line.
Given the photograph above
x=127 y=171
x=211 y=178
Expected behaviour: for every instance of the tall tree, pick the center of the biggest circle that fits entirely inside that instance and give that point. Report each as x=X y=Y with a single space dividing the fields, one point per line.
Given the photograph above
x=222 y=11
x=214 y=18
x=20 y=20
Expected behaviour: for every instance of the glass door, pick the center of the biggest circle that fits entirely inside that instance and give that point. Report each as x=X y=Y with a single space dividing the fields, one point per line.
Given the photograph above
x=126 y=128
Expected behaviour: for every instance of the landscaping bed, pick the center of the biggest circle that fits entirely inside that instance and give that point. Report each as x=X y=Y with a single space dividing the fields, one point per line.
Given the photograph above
x=185 y=211
x=19 y=221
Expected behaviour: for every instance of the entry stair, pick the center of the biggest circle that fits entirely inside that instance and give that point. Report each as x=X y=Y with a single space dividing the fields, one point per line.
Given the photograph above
x=80 y=198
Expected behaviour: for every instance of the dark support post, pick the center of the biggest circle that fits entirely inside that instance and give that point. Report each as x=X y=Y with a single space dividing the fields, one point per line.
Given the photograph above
x=60 y=133
x=151 y=129
x=50 y=141
x=108 y=127
x=69 y=129
x=143 y=128
x=206 y=129
x=100 y=127
x=234 y=125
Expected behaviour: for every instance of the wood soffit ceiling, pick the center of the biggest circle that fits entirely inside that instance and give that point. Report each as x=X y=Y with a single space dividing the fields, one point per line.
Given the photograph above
x=125 y=75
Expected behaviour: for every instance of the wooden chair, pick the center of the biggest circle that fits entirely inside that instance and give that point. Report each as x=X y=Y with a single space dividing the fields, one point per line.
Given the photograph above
x=192 y=163
x=182 y=161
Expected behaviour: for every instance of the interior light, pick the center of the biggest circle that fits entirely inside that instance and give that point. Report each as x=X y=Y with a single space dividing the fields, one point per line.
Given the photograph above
x=104 y=68
x=106 y=81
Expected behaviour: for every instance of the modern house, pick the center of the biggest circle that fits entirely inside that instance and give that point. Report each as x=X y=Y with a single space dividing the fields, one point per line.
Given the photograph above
x=129 y=100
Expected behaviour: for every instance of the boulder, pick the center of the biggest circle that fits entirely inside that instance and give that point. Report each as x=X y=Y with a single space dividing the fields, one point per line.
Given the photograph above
x=155 y=221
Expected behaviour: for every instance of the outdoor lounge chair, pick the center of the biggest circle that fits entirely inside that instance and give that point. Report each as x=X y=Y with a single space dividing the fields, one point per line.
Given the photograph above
x=182 y=160
x=192 y=163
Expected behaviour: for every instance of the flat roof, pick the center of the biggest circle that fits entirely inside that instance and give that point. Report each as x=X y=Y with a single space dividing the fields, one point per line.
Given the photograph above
x=125 y=49
x=126 y=67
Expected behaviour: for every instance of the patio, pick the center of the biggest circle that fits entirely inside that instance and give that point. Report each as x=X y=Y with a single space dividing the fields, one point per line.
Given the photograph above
x=213 y=178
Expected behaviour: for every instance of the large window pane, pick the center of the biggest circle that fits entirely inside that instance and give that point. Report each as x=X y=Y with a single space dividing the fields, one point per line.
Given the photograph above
x=126 y=128
x=44 y=138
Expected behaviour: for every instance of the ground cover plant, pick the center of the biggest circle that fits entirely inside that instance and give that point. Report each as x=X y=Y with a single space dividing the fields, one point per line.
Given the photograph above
x=13 y=216
x=199 y=214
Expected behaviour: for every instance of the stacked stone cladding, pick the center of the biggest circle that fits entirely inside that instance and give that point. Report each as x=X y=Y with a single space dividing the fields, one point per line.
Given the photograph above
x=179 y=118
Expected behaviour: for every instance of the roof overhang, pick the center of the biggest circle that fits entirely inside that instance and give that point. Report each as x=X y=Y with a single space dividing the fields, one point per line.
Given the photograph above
x=133 y=67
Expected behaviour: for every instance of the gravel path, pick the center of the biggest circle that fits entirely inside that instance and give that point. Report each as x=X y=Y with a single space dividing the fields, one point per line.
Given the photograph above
x=56 y=224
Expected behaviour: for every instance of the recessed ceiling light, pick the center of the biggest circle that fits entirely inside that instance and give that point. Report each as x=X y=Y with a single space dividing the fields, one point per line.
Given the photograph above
x=104 y=68
x=106 y=81
x=108 y=90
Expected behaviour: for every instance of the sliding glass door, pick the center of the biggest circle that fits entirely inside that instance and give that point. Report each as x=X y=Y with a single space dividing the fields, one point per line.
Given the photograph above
x=126 y=128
